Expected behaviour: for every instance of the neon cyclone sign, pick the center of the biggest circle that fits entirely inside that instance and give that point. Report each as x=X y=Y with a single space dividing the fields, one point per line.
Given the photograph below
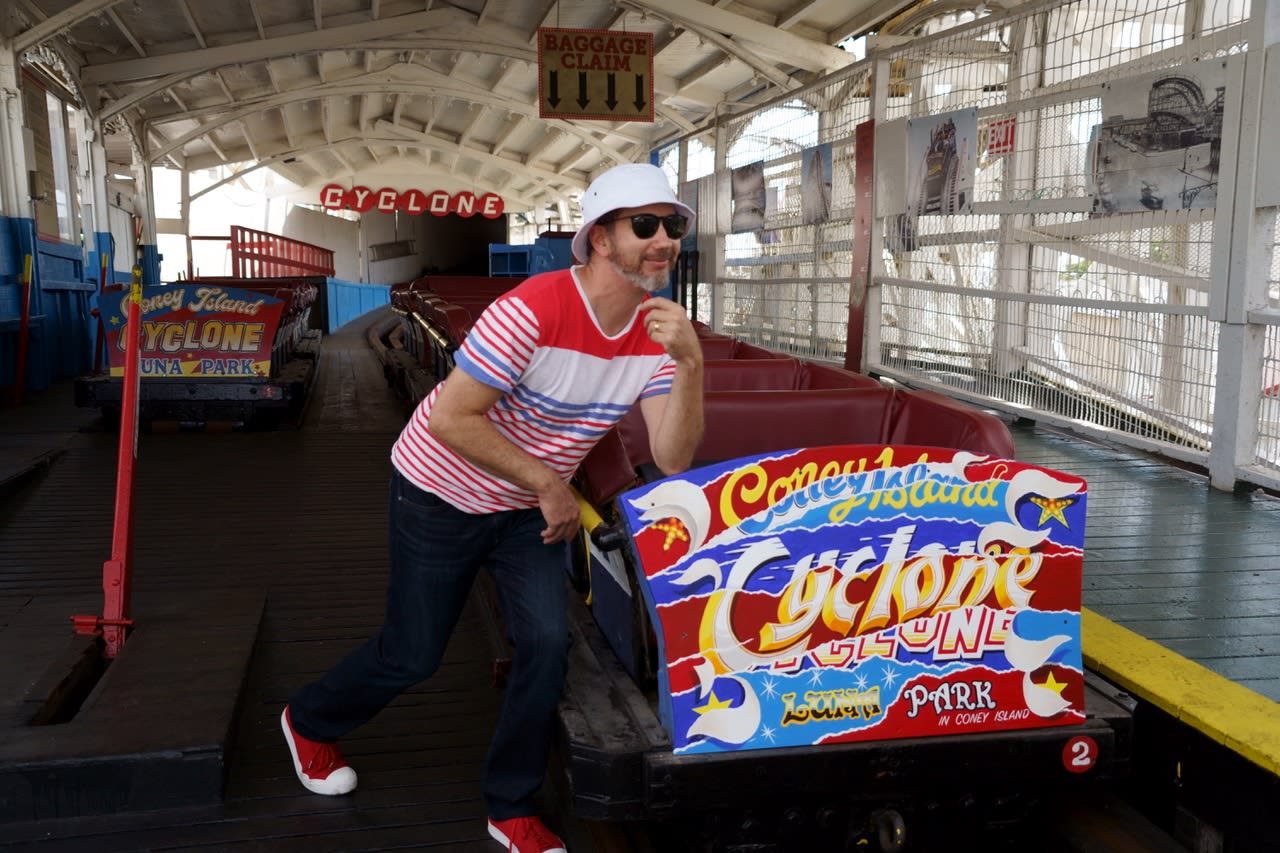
x=414 y=202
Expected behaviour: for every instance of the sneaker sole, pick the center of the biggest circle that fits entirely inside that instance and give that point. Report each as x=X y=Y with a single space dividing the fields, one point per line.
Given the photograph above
x=327 y=787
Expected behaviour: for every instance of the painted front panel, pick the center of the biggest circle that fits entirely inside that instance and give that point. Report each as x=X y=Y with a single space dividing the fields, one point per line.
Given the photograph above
x=859 y=592
x=196 y=330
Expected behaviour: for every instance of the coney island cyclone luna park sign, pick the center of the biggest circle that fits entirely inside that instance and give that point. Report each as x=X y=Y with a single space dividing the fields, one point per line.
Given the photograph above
x=413 y=202
x=861 y=592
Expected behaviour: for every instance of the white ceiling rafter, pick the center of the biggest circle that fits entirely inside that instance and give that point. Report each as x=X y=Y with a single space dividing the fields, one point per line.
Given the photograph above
x=61 y=22
x=480 y=110
x=534 y=154
x=795 y=14
x=435 y=113
x=257 y=19
x=125 y=31
x=758 y=64
x=867 y=17
x=446 y=81
x=702 y=18
x=334 y=38
x=516 y=122
x=434 y=144
x=429 y=83
x=288 y=127
x=191 y=22
x=575 y=157
x=248 y=140
x=150 y=90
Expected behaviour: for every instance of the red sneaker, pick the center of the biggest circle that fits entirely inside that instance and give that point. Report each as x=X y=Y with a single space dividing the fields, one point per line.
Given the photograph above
x=525 y=835
x=320 y=766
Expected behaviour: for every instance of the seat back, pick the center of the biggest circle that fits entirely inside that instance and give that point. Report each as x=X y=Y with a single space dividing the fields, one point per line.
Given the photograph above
x=754 y=374
x=824 y=376
x=742 y=349
x=716 y=347
x=742 y=423
x=931 y=419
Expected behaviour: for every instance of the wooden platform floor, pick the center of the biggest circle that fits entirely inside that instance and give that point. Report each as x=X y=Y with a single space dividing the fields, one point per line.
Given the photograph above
x=1195 y=569
x=301 y=515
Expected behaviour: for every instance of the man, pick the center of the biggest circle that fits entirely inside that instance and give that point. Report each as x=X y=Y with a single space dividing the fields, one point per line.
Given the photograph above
x=481 y=473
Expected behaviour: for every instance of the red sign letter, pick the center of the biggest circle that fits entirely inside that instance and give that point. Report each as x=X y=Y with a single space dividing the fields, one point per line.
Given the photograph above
x=413 y=202
x=387 y=200
x=332 y=196
x=438 y=203
x=360 y=199
x=464 y=204
x=490 y=205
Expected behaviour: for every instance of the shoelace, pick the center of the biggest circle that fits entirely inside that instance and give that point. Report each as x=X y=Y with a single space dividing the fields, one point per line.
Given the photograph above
x=535 y=832
x=325 y=758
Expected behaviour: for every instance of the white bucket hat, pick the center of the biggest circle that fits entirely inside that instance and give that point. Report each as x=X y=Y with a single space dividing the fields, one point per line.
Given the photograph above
x=628 y=185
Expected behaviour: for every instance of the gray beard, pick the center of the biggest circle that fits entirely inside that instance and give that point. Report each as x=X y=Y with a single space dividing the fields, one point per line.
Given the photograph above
x=649 y=284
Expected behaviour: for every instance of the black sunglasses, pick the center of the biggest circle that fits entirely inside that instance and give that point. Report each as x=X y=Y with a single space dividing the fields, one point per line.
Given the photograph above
x=645 y=225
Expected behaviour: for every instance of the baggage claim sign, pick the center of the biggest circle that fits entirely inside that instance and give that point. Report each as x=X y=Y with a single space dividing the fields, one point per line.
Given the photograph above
x=595 y=74
x=857 y=592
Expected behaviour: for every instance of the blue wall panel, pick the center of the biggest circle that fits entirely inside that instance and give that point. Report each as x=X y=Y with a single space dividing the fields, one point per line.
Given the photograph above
x=65 y=295
x=348 y=300
x=59 y=344
x=17 y=239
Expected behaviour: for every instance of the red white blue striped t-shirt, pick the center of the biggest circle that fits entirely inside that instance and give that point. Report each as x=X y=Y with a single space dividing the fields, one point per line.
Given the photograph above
x=565 y=384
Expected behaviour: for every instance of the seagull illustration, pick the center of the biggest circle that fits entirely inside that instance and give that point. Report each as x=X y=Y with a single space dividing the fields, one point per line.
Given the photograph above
x=730 y=724
x=1043 y=700
x=1029 y=655
x=681 y=500
x=1024 y=483
x=1026 y=656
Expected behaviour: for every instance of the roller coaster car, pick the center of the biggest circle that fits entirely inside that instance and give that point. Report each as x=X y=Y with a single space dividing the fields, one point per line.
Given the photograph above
x=874 y=621
x=237 y=350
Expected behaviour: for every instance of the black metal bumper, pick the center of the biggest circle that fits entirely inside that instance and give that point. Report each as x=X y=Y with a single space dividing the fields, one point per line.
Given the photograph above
x=203 y=399
x=620 y=764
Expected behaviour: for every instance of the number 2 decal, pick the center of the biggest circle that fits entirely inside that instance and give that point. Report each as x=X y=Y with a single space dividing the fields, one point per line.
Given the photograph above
x=1080 y=754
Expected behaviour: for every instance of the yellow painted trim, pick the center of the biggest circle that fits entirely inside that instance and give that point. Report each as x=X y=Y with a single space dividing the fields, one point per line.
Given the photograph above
x=590 y=521
x=1235 y=716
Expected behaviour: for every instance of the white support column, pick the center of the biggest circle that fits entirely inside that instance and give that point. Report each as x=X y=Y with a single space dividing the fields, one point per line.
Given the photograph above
x=144 y=207
x=13 y=157
x=185 y=213
x=880 y=72
x=1013 y=257
x=720 y=215
x=94 y=174
x=1244 y=237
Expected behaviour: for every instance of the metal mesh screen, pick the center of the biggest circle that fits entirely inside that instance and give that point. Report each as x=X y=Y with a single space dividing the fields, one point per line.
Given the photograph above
x=1267 y=446
x=1042 y=292
x=1099 y=313
x=786 y=276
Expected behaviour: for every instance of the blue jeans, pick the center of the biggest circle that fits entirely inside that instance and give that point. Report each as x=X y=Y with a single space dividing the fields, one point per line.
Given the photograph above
x=436 y=551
